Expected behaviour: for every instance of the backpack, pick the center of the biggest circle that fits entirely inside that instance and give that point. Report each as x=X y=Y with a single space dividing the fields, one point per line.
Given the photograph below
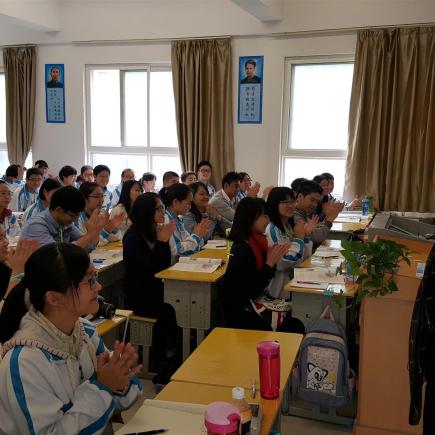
x=322 y=374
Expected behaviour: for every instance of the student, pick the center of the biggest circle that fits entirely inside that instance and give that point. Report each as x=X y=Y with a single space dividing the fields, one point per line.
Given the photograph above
x=86 y=174
x=67 y=176
x=7 y=219
x=27 y=195
x=188 y=178
x=308 y=198
x=295 y=184
x=148 y=182
x=131 y=190
x=179 y=198
x=246 y=187
x=94 y=200
x=48 y=187
x=251 y=265
x=224 y=200
x=200 y=209
x=126 y=174
x=12 y=263
x=56 y=224
x=204 y=174
x=57 y=376
x=356 y=202
x=146 y=251
x=169 y=179
x=281 y=204
x=11 y=177
x=43 y=166
x=102 y=178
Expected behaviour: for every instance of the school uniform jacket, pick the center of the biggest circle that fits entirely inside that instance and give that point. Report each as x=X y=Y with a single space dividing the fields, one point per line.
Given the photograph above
x=116 y=194
x=108 y=198
x=45 y=390
x=12 y=185
x=33 y=210
x=182 y=243
x=299 y=250
x=10 y=223
x=22 y=198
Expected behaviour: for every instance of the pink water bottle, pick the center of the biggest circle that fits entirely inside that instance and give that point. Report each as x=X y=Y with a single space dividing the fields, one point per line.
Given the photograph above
x=270 y=368
x=222 y=418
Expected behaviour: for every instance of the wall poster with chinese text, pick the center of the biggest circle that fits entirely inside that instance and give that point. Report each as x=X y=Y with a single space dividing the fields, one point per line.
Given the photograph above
x=250 y=89
x=55 y=93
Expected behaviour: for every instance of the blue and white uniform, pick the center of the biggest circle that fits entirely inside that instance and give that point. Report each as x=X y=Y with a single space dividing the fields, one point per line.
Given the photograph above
x=22 y=199
x=116 y=194
x=182 y=243
x=299 y=250
x=12 y=185
x=48 y=382
x=10 y=223
x=240 y=195
x=105 y=236
x=108 y=196
x=33 y=210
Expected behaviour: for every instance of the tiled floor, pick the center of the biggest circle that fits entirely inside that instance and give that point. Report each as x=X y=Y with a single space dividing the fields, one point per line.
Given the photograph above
x=289 y=425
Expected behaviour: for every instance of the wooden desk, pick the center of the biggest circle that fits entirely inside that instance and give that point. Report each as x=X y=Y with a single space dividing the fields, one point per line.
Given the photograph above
x=187 y=392
x=192 y=295
x=228 y=357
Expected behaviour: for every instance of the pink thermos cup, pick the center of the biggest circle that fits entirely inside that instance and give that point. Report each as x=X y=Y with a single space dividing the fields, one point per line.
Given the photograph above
x=270 y=367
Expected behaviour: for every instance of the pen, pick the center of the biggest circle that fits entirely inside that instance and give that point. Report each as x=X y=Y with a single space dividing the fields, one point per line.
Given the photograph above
x=309 y=282
x=148 y=432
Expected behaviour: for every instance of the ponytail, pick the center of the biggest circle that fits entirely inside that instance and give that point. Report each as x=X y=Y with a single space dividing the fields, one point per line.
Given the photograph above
x=12 y=312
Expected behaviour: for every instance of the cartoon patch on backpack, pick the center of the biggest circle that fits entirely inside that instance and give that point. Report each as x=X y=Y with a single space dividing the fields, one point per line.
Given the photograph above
x=316 y=379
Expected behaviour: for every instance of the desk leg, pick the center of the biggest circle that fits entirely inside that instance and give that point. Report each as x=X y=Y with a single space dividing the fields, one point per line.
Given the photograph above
x=199 y=336
x=186 y=343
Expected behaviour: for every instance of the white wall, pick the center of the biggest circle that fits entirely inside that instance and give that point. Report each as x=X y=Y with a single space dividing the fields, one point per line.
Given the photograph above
x=257 y=146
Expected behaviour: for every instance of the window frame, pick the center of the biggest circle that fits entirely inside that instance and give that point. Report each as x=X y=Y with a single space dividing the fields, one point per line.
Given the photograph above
x=309 y=154
x=148 y=150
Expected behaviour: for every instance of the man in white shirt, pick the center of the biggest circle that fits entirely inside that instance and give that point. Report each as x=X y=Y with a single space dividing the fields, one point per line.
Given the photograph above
x=126 y=174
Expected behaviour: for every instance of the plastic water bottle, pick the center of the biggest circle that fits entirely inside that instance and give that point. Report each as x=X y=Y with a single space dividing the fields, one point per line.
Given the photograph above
x=269 y=367
x=365 y=206
x=238 y=395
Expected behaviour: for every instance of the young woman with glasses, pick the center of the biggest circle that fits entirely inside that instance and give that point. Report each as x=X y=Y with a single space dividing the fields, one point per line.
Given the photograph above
x=56 y=375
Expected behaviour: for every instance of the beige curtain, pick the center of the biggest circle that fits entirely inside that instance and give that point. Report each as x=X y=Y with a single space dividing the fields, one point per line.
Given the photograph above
x=202 y=77
x=20 y=73
x=392 y=119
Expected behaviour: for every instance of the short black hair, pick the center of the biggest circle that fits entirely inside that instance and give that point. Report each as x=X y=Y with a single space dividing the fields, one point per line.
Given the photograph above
x=230 y=177
x=48 y=185
x=169 y=174
x=101 y=168
x=308 y=186
x=320 y=178
x=125 y=170
x=247 y=212
x=252 y=62
x=84 y=168
x=177 y=191
x=328 y=176
x=276 y=195
x=87 y=188
x=12 y=171
x=242 y=175
x=203 y=163
x=33 y=171
x=68 y=198
x=148 y=176
x=296 y=183
x=67 y=171
x=184 y=175
x=41 y=164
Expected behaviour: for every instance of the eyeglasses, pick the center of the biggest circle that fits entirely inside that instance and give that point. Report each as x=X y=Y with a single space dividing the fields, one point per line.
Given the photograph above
x=161 y=208
x=92 y=280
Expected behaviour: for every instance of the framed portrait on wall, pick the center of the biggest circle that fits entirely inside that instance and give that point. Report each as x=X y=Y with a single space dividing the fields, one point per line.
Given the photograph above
x=250 y=89
x=55 y=92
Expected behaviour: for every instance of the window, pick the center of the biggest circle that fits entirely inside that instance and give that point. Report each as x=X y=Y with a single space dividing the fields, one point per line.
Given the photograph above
x=131 y=120
x=315 y=123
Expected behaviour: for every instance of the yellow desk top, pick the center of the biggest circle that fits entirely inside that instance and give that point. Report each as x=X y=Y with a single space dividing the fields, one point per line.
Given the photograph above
x=111 y=246
x=199 y=276
x=119 y=318
x=204 y=394
x=228 y=357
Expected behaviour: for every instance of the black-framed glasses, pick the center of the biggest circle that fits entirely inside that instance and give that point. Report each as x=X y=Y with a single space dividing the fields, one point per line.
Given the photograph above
x=93 y=280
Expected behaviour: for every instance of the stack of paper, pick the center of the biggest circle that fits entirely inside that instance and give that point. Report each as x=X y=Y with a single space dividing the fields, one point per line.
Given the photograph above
x=327 y=252
x=316 y=277
x=215 y=244
x=177 y=418
x=189 y=264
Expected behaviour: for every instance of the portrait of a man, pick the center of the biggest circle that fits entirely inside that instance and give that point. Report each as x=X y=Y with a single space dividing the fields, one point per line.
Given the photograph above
x=55 y=78
x=250 y=76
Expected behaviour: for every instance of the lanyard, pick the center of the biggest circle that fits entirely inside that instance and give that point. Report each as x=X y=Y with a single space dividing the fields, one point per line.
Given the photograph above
x=60 y=233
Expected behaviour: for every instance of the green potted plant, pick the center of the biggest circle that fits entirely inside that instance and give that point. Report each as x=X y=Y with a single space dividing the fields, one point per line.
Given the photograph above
x=373 y=266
